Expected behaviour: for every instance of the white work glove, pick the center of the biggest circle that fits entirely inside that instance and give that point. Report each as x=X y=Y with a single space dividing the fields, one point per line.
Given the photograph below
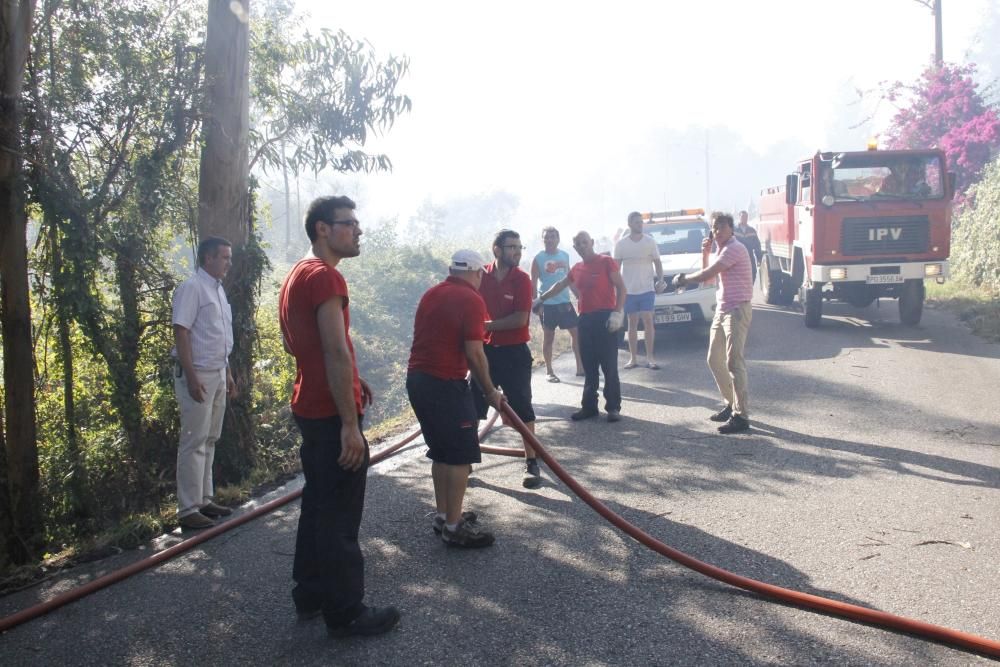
x=615 y=321
x=660 y=286
x=536 y=305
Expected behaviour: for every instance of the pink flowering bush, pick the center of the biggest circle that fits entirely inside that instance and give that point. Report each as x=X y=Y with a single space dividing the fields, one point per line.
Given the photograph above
x=946 y=111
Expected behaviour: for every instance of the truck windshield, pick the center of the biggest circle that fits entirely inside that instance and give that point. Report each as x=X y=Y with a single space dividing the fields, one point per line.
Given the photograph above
x=878 y=176
x=679 y=237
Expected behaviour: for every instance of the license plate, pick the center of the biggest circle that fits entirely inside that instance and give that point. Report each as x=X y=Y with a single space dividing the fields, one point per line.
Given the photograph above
x=668 y=318
x=887 y=278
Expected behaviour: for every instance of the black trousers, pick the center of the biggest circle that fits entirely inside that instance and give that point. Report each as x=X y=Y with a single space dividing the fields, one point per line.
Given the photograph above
x=329 y=570
x=599 y=351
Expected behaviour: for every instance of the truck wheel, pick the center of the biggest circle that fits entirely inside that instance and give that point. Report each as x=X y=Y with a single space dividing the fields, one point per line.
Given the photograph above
x=814 y=305
x=771 y=282
x=788 y=290
x=911 y=302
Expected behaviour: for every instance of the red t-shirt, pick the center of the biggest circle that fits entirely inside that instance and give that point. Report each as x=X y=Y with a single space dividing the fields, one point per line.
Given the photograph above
x=449 y=314
x=311 y=283
x=510 y=295
x=593 y=280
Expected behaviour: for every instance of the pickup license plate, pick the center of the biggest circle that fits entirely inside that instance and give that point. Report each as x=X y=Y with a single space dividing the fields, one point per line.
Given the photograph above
x=669 y=318
x=884 y=279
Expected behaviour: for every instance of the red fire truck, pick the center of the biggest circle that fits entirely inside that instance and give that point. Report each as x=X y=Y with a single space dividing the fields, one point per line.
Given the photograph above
x=856 y=227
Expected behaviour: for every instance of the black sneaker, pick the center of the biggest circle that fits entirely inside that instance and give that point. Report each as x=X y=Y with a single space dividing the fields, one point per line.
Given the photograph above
x=467 y=536
x=614 y=416
x=584 y=413
x=723 y=415
x=532 y=477
x=735 y=424
x=371 y=621
x=438 y=524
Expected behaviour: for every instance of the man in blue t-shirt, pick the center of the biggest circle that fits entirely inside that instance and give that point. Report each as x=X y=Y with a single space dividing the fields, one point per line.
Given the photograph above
x=549 y=267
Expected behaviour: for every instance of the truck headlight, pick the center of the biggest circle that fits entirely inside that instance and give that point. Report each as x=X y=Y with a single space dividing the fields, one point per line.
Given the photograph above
x=932 y=269
x=839 y=273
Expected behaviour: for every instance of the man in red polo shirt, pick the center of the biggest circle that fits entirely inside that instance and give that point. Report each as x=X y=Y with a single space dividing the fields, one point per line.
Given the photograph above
x=507 y=291
x=328 y=404
x=602 y=299
x=448 y=333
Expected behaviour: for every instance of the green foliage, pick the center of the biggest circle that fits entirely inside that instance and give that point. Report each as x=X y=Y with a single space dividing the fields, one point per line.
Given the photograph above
x=975 y=244
x=322 y=94
x=112 y=95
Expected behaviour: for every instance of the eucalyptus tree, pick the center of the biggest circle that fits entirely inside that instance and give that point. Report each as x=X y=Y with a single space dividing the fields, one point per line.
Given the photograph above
x=321 y=96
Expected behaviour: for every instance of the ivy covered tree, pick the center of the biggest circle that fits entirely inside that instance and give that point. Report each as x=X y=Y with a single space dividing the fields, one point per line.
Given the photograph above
x=945 y=109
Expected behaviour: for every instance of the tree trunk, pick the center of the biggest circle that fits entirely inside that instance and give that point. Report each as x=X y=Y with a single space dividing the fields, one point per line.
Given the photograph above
x=77 y=486
x=223 y=207
x=25 y=532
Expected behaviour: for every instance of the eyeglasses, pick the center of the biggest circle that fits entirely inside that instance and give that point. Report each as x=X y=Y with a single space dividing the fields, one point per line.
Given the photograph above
x=513 y=247
x=353 y=223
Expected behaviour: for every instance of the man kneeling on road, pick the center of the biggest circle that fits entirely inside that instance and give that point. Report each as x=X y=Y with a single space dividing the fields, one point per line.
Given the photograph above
x=732 y=320
x=602 y=298
x=448 y=333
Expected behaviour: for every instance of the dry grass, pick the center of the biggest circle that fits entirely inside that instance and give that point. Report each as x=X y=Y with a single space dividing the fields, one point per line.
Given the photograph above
x=977 y=307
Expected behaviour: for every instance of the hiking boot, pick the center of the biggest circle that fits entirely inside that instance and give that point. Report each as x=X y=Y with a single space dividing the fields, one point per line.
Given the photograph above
x=723 y=415
x=584 y=413
x=195 y=521
x=467 y=535
x=371 y=621
x=532 y=477
x=614 y=416
x=213 y=511
x=735 y=424
x=438 y=524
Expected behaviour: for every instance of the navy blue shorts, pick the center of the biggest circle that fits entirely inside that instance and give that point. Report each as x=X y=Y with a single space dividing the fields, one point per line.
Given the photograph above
x=447 y=416
x=559 y=316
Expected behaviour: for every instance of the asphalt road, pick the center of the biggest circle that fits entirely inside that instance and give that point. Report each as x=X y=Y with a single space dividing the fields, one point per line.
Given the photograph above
x=871 y=475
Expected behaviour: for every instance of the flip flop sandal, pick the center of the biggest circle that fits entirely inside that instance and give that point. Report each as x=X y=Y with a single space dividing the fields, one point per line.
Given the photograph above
x=628 y=366
x=652 y=367
x=552 y=378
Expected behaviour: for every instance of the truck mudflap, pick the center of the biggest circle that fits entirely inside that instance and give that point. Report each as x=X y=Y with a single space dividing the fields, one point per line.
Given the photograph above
x=887 y=273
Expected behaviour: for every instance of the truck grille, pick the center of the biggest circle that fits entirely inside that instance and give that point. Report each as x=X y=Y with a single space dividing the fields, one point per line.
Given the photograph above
x=881 y=236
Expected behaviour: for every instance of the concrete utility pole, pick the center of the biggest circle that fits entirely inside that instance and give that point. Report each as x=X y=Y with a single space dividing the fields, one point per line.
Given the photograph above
x=938 y=42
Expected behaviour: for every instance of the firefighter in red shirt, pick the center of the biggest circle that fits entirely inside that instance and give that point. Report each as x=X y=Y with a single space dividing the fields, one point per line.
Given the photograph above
x=602 y=299
x=448 y=333
x=328 y=404
x=507 y=291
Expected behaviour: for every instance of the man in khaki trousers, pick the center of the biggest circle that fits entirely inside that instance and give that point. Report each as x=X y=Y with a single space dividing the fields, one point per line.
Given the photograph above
x=203 y=339
x=731 y=263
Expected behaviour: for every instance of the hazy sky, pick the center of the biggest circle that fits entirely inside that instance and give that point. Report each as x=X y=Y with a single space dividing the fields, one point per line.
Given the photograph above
x=547 y=100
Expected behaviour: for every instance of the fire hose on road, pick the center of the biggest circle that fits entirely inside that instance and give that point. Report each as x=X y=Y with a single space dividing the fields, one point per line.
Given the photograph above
x=853 y=612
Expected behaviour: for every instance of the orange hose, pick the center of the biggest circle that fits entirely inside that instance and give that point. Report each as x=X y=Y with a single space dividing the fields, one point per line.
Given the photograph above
x=72 y=595
x=854 y=612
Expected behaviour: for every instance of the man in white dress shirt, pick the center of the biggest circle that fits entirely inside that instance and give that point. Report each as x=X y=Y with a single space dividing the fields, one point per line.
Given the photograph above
x=203 y=339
